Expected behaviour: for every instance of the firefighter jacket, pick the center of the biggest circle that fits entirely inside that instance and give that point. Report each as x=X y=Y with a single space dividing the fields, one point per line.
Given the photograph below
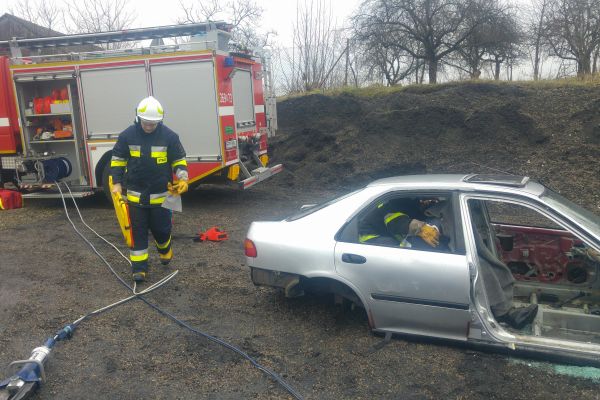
x=148 y=161
x=396 y=226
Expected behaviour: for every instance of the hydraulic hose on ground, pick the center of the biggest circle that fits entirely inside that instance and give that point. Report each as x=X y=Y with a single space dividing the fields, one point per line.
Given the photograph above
x=26 y=380
x=276 y=377
x=179 y=322
x=23 y=383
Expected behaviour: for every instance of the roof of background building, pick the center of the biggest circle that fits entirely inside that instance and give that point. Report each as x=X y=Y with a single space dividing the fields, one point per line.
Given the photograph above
x=15 y=27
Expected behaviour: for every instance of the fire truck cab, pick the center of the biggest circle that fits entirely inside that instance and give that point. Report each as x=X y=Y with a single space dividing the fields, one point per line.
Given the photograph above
x=60 y=115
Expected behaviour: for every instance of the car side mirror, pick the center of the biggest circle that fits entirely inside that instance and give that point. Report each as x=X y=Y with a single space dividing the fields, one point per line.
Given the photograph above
x=506 y=241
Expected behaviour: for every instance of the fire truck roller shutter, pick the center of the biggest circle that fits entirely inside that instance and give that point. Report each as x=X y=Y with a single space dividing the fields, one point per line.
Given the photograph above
x=187 y=92
x=110 y=97
x=243 y=98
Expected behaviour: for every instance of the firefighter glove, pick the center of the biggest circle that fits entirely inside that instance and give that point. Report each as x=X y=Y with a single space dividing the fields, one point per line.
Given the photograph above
x=430 y=234
x=179 y=187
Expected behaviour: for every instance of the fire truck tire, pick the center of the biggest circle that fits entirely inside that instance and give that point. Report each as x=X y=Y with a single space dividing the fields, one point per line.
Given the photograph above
x=105 y=185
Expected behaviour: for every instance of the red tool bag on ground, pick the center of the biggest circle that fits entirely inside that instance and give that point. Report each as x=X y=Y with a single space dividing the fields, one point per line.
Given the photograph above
x=213 y=234
x=10 y=199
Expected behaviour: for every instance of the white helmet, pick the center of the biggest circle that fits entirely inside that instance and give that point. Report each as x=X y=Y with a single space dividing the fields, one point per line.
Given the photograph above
x=150 y=109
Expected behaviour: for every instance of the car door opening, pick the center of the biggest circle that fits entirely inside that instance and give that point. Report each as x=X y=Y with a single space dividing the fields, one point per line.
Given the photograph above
x=527 y=259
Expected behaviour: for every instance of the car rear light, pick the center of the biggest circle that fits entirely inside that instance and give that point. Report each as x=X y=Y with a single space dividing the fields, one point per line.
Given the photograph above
x=249 y=248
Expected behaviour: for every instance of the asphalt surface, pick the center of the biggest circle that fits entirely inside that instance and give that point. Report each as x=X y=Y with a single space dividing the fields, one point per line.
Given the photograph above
x=49 y=277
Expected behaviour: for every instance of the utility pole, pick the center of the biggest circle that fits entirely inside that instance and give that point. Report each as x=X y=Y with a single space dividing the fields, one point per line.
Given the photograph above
x=333 y=66
x=347 y=61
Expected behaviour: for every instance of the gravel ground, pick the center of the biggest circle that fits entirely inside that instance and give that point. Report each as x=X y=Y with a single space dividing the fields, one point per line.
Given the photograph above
x=49 y=278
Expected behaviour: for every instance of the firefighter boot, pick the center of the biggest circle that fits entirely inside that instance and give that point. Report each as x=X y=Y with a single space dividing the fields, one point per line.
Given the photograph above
x=139 y=276
x=166 y=258
x=139 y=264
x=165 y=252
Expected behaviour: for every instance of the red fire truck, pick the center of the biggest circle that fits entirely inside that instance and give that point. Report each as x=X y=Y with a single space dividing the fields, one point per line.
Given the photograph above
x=60 y=115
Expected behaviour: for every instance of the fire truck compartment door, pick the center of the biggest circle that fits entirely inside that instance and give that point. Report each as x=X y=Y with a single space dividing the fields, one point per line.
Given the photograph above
x=110 y=97
x=243 y=100
x=188 y=94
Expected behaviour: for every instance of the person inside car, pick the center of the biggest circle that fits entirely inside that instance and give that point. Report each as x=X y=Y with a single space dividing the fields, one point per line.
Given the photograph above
x=405 y=223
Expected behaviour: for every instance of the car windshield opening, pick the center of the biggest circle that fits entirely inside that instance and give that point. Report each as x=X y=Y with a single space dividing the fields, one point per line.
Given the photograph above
x=313 y=208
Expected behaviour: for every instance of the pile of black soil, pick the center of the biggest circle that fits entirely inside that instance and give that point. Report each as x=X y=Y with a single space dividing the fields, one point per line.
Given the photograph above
x=343 y=141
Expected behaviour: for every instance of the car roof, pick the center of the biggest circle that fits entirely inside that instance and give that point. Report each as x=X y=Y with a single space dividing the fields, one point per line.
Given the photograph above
x=464 y=182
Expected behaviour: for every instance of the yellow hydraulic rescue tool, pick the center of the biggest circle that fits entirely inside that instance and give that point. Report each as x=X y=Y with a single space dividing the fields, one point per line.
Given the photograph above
x=122 y=211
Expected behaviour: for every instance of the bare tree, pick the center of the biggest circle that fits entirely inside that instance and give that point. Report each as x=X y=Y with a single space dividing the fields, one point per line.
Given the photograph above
x=488 y=21
x=316 y=51
x=381 y=52
x=506 y=45
x=47 y=14
x=100 y=16
x=393 y=63
x=241 y=14
x=199 y=11
x=573 y=31
x=432 y=29
x=535 y=33
x=361 y=67
x=495 y=40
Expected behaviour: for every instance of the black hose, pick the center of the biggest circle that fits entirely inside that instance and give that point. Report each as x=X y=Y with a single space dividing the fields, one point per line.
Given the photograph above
x=179 y=322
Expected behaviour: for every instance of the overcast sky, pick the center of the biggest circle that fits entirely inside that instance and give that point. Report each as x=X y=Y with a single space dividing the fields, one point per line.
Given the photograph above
x=279 y=15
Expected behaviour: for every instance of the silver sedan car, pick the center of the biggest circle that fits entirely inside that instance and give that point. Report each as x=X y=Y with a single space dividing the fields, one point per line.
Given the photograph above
x=492 y=260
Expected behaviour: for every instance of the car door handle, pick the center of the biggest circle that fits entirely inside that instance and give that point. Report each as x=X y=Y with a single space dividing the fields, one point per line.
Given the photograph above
x=353 y=258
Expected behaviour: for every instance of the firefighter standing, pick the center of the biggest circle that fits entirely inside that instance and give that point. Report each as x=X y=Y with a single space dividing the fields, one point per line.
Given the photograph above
x=148 y=154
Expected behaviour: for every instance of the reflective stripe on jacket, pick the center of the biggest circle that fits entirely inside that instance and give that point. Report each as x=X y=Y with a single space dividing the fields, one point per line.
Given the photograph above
x=366 y=238
x=147 y=161
x=397 y=224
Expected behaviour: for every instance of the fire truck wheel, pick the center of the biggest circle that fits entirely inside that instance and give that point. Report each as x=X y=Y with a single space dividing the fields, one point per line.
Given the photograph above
x=105 y=185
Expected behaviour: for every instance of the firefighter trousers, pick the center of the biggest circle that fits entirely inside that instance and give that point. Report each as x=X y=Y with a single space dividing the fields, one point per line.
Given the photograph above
x=158 y=220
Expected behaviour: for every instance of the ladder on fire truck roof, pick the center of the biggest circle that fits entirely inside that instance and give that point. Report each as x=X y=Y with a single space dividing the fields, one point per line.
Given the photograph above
x=127 y=35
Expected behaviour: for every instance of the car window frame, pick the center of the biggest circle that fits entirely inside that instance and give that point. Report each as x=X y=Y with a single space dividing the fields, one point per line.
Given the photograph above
x=579 y=214
x=349 y=230
x=531 y=202
x=485 y=214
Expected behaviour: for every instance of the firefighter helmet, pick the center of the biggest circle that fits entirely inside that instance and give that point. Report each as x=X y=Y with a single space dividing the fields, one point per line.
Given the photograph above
x=150 y=110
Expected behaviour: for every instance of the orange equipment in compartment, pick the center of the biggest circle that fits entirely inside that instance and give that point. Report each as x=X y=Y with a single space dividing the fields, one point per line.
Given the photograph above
x=63 y=134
